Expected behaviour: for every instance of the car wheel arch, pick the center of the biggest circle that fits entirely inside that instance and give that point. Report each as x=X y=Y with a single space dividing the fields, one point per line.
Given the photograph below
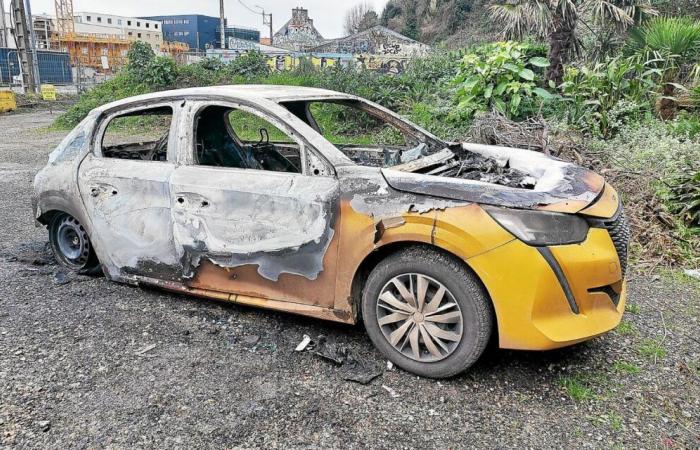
x=372 y=259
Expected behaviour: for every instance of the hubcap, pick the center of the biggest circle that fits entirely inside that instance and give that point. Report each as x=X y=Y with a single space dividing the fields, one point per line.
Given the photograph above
x=72 y=242
x=419 y=317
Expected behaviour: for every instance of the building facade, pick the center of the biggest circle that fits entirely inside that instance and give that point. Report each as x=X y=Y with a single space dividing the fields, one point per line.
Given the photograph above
x=129 y=28
x=299 y=34
x=196 y=30
x=237 y=32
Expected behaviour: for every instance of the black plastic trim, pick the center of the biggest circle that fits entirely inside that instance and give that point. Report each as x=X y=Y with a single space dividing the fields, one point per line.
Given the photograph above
x=559 y=273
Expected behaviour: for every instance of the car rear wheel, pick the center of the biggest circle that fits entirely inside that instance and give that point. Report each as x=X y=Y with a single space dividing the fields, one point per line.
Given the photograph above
x=426 y=312
x=71 y=245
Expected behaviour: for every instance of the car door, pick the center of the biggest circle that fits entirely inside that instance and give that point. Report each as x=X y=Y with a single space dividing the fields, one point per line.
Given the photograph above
x=128 y=197
x=249 y=231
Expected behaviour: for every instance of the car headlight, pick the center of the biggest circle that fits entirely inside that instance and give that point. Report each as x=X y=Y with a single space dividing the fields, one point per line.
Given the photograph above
x=540 y=228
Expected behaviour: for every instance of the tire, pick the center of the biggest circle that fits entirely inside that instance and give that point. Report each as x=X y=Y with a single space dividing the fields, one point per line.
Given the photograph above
x=71 y=245
x=458 y=333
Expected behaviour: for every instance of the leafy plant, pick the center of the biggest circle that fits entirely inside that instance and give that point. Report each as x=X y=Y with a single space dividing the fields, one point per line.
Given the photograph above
x=668 y=43
x=685 y=198
x=161 y=72
x=140 y=57
x=607 y=95
x=503 y=76
x=249 y=64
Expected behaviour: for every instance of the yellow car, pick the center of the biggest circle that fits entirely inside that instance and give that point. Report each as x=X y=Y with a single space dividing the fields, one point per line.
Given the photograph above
x=327 y=205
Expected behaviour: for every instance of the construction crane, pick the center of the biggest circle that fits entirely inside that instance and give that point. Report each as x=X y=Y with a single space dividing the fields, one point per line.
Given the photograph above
x=65 y=21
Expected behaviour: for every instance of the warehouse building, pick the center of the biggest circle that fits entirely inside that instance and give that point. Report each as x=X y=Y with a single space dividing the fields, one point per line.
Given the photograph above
x=201 y=32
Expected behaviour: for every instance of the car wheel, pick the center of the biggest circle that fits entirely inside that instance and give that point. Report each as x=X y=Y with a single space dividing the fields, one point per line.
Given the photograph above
x=426 y=312
x=71 y=245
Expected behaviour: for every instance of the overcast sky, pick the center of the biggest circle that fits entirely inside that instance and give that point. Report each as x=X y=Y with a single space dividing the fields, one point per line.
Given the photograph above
x=327 y=14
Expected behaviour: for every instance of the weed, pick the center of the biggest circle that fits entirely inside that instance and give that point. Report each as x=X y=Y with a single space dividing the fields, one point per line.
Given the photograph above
x=625 y=367
x=652 y=349
x=625 y=328
x=577 y=387
x=632 y=308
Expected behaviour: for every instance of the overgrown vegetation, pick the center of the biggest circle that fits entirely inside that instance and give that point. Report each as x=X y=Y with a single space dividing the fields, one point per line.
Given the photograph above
x=633 y=116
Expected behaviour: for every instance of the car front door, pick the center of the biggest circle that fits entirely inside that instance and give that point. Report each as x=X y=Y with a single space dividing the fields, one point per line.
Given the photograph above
x=124 y=184
x=248 y=217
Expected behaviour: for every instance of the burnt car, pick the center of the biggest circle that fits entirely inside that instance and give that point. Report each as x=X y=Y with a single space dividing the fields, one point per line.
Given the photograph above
x=327 y=205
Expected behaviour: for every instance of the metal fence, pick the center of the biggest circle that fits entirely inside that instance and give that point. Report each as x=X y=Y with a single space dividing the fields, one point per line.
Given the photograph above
x=54 y=67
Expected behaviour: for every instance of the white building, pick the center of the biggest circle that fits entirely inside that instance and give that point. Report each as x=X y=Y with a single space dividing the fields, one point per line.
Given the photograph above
x=129 y=28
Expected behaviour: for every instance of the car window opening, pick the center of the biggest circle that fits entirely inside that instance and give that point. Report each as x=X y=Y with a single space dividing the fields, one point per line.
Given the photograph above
x=227 y=137
x=371 y=137
x=138 y=135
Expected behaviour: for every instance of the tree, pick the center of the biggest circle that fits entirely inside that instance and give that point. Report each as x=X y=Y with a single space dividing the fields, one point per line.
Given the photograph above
x=410 y=27
x=360 y=17
x=559 y=20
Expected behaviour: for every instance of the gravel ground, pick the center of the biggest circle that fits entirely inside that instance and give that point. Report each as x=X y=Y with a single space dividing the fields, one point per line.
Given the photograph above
x=85 y=363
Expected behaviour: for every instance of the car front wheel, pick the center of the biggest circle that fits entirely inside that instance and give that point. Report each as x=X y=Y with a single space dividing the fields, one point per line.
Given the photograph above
x=426 y=312
x=71 y=245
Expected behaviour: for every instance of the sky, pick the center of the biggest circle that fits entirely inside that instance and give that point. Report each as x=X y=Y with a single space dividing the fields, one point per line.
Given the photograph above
x=328 y=15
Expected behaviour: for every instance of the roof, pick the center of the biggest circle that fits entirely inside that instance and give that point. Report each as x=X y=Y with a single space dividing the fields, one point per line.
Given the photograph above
x=377 y=28
x=272 y=93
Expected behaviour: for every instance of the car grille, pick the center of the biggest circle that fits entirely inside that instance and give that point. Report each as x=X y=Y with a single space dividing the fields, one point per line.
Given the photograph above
x=619 y=231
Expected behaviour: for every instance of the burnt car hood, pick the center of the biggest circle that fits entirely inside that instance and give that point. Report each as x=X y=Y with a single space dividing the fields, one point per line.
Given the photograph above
x=555 y=184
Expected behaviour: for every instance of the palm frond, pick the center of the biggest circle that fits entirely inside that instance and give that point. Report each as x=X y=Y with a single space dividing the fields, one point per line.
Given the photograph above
x=522 y=17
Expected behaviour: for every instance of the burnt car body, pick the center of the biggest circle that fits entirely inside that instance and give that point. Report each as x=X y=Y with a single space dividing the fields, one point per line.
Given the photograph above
x=305 y=226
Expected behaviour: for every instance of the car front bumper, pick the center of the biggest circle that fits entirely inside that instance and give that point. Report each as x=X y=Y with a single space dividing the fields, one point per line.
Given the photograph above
x=533 y=300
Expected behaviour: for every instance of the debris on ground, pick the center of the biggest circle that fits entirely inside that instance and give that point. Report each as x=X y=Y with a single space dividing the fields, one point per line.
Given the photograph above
x=693 y=273
x=303 y=344
x=250 y=340
x=44 y=425
x=144 y=350
x=391 y=392
x=352 y=369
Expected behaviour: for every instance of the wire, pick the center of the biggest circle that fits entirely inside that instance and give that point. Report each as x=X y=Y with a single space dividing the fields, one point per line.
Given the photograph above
x=251 y=9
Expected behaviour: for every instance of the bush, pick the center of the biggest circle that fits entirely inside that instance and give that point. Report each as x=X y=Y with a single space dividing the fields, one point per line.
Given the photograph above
x=607 y=95
x=505 y=76
x=250 y=64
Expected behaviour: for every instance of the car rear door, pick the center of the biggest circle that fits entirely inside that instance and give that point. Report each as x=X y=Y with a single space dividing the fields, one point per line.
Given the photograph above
x=261 y=233
x=127 y=199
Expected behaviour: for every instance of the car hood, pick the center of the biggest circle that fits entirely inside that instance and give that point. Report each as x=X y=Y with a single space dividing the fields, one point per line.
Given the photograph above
x=543 y=182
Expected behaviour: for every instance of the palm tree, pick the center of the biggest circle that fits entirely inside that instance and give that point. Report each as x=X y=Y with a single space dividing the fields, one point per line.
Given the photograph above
x=669 y=44
x=559 y=20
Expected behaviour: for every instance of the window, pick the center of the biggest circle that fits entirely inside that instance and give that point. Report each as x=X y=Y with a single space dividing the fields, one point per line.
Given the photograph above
x=366 y=135
x=227 y=137
x=138 y=24
x=148 y=25
x=119 y=21
x=140 y=135
x=88 y=18
x=130 y=33
x=109 y=21
x=128 y=22
x=99 y=20
x=155 y=25
x=139 y=35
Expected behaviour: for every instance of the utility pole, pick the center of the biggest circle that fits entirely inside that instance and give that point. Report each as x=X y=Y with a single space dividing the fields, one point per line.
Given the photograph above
x=267 y=20
x=222 y=24
x=32 y=42
x=22 y=35
x=3 y=26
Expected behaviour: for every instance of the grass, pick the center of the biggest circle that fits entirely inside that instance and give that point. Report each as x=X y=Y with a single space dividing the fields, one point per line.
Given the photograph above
x=632 y=308
x=625 y=328
x=577 y=387
x=615 y=421
x=652 y=349
x=625 y=367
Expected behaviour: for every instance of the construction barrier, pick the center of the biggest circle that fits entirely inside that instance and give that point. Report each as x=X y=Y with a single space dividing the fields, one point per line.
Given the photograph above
x=7 y=101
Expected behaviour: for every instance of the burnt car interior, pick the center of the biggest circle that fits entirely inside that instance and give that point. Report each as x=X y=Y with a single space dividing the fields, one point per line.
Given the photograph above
x=227 y=137
x=371 y=137
x=141 y=135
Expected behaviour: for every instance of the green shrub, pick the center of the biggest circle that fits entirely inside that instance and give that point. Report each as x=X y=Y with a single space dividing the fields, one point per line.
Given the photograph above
x=685 y=198
x=250 y=64
x=161 y=73
x=140 y=57
x=602 y=98
x=505 y=76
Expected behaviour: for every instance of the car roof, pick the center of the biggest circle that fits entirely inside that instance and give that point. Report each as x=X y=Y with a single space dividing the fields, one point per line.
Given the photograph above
x=274 y=93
